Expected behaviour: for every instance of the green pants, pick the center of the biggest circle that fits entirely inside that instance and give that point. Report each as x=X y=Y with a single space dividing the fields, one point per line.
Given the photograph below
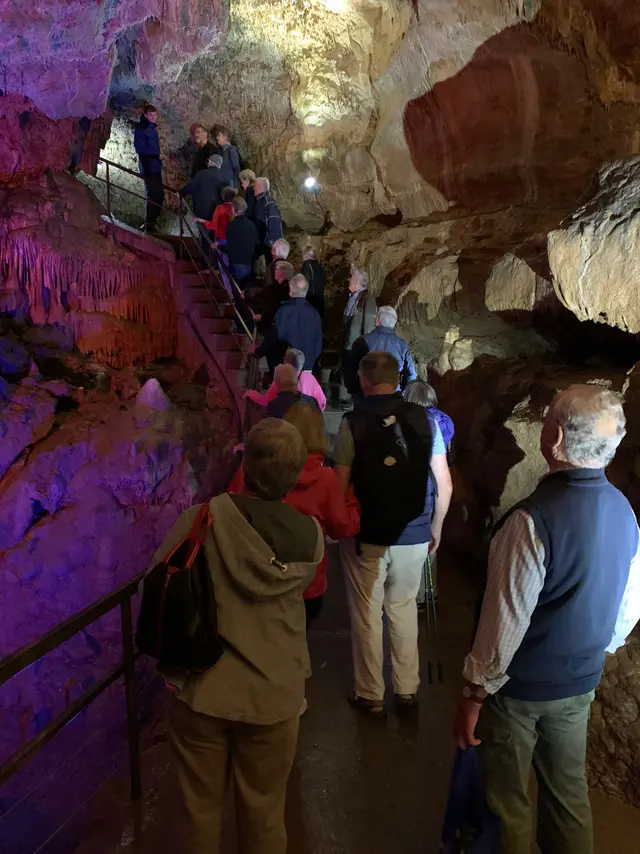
x=552 y=737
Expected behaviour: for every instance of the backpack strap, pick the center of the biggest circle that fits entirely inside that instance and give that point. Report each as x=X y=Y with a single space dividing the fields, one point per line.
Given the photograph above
x=364 y=309
x=197 y=535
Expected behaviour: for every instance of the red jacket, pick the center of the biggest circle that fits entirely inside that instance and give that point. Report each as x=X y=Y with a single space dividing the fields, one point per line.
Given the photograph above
x=318 y=493
x=222 y=216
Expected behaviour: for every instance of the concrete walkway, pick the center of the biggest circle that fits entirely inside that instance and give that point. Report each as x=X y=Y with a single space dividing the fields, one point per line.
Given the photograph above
x=359 y=786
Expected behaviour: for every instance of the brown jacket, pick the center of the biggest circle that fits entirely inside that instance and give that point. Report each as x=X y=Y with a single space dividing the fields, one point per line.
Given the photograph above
x=262 y=556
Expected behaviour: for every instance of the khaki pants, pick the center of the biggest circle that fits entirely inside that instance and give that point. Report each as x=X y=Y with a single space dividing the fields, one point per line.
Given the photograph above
x=551 y=736
x=383 y=578
x=209 y=752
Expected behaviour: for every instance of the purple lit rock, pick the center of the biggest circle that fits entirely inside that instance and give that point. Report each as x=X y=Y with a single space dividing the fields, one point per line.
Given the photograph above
x=27 y=418
x=61 y=53
x=152 y=397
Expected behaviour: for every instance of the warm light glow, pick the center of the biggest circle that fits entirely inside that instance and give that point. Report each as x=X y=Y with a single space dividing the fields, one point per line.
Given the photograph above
x=337 y=6
x=310 y=182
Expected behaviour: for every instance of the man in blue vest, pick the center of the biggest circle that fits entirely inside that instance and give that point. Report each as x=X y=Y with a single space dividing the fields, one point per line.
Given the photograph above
x=563 y=589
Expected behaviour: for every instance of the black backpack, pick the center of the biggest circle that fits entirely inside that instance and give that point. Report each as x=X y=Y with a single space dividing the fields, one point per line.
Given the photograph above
x=391 y=468
x=178 y=622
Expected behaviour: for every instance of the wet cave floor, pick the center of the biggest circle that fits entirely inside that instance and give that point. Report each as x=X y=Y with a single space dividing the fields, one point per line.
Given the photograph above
x=358 y=786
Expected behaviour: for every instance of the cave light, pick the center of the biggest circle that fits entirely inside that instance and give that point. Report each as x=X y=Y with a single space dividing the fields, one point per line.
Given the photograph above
x=310 y=183
x=335 y=6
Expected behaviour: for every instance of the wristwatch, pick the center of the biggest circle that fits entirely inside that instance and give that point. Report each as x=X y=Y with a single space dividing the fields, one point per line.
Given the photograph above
x=474 y=693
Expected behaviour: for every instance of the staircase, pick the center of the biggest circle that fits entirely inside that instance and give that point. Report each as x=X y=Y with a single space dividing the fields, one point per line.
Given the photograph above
x=205 y=302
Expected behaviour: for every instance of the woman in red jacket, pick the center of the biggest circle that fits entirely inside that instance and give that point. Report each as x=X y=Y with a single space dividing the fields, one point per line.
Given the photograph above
x=317 y=493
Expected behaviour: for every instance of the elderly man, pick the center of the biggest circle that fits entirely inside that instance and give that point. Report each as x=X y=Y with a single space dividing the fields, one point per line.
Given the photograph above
x=200 y=149
x=563 y=588
x=358 y=319
x=297 y=324
x=287 y=392
x=279 y=252
x=267 y=216
x=388 y=450
x=383 y=339
x=242 y=241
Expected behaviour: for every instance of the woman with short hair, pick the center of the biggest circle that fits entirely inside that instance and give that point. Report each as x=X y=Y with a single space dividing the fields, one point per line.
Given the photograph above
x=237 y=724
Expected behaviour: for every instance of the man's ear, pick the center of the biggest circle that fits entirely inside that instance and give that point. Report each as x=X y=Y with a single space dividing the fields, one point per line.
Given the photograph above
x=558 y=442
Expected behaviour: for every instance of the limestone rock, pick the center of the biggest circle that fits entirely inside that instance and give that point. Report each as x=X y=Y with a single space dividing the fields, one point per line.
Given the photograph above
x=151 y=396
x=28 y=417
x=593 y=257
x=14 y=359
x=75 y=43
x=514 y=286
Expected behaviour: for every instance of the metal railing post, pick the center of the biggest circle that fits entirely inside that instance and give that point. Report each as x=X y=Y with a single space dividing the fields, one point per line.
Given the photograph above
x=108 y=192
x=133 y=732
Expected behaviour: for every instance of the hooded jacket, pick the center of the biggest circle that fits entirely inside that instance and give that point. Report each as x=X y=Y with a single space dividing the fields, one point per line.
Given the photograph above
x=319 y=494
x=147 y=145
x=262 y=555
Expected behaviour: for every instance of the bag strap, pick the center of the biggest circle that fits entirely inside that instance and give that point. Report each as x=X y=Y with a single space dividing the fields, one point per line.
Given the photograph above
x=197 y=535
x=364 y=308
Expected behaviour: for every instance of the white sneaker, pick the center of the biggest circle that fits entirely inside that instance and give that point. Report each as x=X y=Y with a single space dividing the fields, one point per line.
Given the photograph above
x=303 y=707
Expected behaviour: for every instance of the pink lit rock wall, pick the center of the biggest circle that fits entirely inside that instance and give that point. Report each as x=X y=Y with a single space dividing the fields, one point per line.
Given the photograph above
x=58 y=266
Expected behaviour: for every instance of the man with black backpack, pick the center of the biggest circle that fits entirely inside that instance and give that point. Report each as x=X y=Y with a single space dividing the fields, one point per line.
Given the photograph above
x=388 y=450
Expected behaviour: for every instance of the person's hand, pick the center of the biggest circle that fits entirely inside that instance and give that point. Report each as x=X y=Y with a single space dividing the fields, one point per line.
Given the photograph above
x=436 y=534
x=198 y=219
x=465 y=722
x=257 y=317
x=238 y=449
x=253 y=348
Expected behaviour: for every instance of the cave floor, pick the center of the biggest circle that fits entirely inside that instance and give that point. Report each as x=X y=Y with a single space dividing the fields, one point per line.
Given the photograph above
x=359 y=786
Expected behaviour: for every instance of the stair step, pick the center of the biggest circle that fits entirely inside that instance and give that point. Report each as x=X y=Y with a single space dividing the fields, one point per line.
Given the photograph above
x=238 y=377
x=215 y=325
x=231 y=359
x=223 y=342
x=193 y=277
x=184 y=267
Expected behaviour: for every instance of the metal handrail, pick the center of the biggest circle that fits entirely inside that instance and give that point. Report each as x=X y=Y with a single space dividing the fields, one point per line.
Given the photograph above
x=24 y=657
x=183 y=222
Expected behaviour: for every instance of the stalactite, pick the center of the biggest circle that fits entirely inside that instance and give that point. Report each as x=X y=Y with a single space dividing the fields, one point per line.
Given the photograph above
x=52 y=279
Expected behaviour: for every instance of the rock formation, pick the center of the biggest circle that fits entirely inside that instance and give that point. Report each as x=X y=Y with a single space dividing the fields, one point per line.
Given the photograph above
x=477 y=159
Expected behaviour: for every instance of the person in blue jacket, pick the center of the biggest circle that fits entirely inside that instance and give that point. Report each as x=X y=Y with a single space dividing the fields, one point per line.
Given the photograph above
x=266 y=217
x=147 y=145
x=230 y=168
x=381 y=339
x=297 y=325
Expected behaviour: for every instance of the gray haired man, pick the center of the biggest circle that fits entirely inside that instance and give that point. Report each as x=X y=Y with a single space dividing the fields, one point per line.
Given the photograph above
x=563 y=588
x=381 y=340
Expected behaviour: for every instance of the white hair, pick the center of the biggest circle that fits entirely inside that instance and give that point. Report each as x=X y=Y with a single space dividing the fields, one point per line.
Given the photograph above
x=285 y=377
x=298 y=286
x=387 y=316
x=593 y=424
x=361 y=277
x=281 y=249
x=295 y=358
x=265 y=183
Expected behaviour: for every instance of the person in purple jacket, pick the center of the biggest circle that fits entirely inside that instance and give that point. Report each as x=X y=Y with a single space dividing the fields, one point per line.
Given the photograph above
x=422 y=394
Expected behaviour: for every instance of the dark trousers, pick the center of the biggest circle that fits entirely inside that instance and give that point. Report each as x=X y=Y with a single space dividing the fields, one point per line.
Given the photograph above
x=551 y=737
x=313 y=608
x=154 y=197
